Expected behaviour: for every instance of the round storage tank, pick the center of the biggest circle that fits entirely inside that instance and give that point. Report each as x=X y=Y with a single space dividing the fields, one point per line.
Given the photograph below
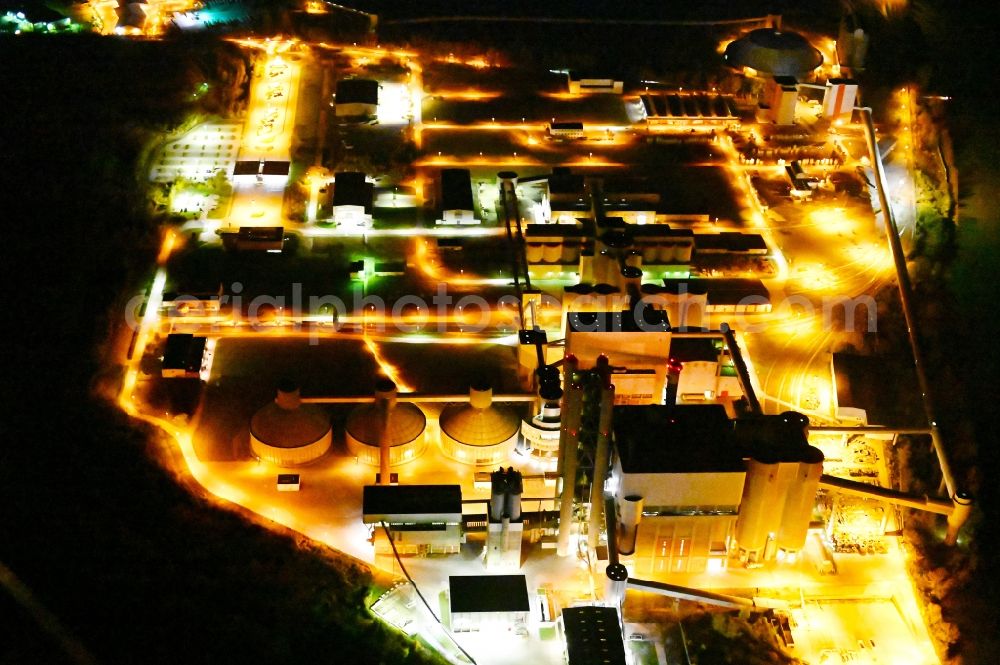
x=405 y=431
x=289 y=433
x=479 y=432
x=774 y=52
x=534 y=251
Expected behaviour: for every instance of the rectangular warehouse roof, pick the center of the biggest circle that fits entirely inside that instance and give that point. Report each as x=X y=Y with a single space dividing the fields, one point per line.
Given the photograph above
x=350 y=188
x=411 y=503
x=247 y=167
x=730 y=242
x=184 y=352
x=593 y=636
x=675 y=439
x=357 y=91
x=693 y=349
x=276 y=168
x=646 y=320
x=488 y=593
x=456 y=189
x=721 y=291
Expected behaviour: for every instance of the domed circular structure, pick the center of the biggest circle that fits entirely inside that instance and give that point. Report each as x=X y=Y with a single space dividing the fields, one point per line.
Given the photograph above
x=404 y=429
x=288 y=433
x=774 y=52
x=479 y=432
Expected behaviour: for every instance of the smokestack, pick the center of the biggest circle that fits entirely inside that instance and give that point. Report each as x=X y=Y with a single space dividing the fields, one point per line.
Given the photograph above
x=601 y=460
x=288 y=397
x=631 y=510
x=515 y=488
x=963 y=509
x=569 y=368
x=498 y=491
x=569 y=438
x=385 y=399
x=614 y=589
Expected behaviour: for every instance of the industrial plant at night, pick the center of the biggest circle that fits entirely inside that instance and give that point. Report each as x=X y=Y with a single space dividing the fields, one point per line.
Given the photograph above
x=532 y=353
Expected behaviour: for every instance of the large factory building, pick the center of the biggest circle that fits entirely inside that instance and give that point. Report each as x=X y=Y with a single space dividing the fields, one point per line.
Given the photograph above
x=679 y=486
x=691 y=487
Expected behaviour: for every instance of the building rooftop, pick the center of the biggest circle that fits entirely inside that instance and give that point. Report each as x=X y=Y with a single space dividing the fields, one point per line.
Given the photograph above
x=443 y=500
x=289 y=428
x=488 y=593
x=247 y=167
x=593 y=636
x=774 y=438
x=729 y=242
x=456 y=189
x=351 y=188
x=721 y=291
x=566 y=125
x=586 y=74
x=183 y=351
x=689 y=106
x=680 y=439
x=357 y=91
x=275 y=168
x=261 y=233
x=693 y=349
x=648 y=320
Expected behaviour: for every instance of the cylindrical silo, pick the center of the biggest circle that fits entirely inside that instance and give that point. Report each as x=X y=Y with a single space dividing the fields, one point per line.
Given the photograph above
x=403 y=430
x=534 y=251
x=552 y=252
x=479 y=432
x=630 y=509
x=498 y=491
x=570 y=253
x=761 y=501
x=289 y=433
x=799 y=502
x=650 y=252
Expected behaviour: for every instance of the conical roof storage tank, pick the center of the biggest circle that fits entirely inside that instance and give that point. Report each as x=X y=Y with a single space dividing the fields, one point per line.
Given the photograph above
x=289 y=433
x=797 y=515
x=479 y=432
x=404 y=428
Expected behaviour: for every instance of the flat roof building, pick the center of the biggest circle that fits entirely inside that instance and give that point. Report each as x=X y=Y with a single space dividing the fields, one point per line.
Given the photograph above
x=680 y=480
x=421 y=519
x=255 y=238
x=497 y=602
x=182 y=356
x=353 y=199
x=585 y=82
x=593 y=636
x=457 y=206
x=357 y=97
